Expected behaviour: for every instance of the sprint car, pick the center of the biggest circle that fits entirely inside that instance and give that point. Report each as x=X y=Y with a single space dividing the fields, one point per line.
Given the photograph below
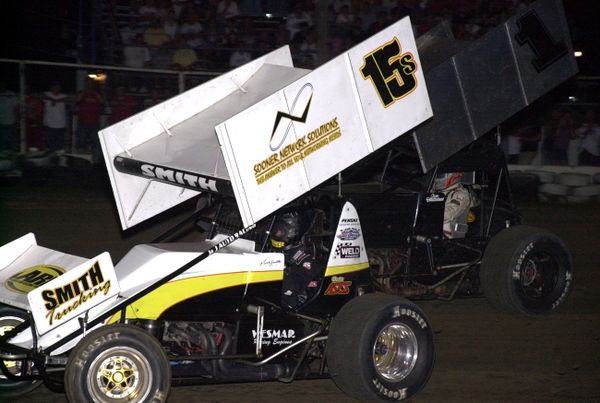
x=251 y=145
x=390 y=115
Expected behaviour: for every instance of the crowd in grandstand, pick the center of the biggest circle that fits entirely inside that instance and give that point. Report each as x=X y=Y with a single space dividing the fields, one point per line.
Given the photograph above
x=220 y=34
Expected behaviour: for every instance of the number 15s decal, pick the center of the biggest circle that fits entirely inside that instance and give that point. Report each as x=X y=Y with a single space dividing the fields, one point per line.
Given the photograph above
x=391 y=72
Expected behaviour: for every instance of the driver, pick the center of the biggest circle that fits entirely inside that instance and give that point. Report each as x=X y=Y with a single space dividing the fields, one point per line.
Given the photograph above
x=458 y=202
x=302 y=272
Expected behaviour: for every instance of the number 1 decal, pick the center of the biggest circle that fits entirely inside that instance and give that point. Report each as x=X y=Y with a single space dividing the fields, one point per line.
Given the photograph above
x=534 y=33
x=391 y=72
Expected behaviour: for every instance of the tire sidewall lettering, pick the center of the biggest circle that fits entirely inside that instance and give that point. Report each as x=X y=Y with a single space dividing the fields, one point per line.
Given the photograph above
x=392 y=393
x=516 y=274
x=101 y=341
x=399 y=311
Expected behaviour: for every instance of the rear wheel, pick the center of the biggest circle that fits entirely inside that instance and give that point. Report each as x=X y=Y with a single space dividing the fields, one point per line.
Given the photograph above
x=380 y=348
x=526 y=270
x=118 y=363
x=9 y=319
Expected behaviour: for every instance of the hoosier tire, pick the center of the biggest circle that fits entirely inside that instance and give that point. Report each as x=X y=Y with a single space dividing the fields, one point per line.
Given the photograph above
x=380 y=348
x=117 y=363
x=9 y=318
x=526 y=270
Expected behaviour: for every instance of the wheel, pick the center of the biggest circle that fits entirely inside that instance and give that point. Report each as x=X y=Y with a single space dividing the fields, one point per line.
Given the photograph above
x=380 y=348
x=9 y=318
x=117 y=363
x=526 y=270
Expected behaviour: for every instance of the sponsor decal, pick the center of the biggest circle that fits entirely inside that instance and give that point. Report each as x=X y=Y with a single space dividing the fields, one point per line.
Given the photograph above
x=339 y=288
x=270 y=262
x=347 y=250
x=31 y=278
x=229 y=240
x=276 y=337
x=347 y=221
x=391 y=72
x=312 y=284
x=60 y=301
x=349 y=234
x=306 y=88
x=297 y=151
x=307 y=265
x=435 y=198
x=180 y=177
x=285 y=157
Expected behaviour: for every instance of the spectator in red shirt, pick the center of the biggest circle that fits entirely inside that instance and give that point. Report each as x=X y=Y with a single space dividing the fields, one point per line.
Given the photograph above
x=34 y=113
x=122 y=105
x=89 y=106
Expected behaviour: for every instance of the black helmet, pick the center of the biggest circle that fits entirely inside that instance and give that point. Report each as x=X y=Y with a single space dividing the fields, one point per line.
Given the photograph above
x=286 y=230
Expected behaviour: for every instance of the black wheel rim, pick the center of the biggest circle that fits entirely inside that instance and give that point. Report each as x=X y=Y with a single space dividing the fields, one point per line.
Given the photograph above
x=538 y=280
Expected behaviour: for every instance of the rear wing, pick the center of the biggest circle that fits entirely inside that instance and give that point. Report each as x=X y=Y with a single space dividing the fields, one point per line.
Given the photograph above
x=267 y=132
x=475 y=86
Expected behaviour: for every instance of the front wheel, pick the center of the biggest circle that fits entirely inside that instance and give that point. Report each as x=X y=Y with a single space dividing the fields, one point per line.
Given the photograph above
x=9 y=319
x=526 y=270
x=380 y=348
x=117 y=363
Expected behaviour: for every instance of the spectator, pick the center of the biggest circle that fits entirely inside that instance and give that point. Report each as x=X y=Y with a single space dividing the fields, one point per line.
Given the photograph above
x=529 y=137
x=184 y=58
x=512 y=147
x=156 y=35
x=135 y=54
x=89 y=110
x=156 y=38
x=590 y=143
x=55 y=118
x=372 y=12
x=381 y=22
x=563 y=135
x=122 y=105
x=344 y=21
x=34 y=115
x=178 y=6
x=8 y=117
x=171 y=25
x=149 y=10
x=190 y=30
x=239 y=55
x=299 y=20
x=308 y=48
x=228 y=9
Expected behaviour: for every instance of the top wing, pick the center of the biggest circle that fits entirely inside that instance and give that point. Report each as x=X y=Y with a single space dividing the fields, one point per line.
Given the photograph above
x=267 y=132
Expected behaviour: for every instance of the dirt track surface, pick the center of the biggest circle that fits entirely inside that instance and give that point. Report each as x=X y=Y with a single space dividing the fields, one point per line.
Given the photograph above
x=482 y=355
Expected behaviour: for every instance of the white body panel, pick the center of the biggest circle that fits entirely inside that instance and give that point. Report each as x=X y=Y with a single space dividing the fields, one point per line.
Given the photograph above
x=143 y=266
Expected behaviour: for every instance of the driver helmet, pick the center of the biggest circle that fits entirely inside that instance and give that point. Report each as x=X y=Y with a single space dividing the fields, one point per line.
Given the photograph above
x=447 y=181
x=286 y=230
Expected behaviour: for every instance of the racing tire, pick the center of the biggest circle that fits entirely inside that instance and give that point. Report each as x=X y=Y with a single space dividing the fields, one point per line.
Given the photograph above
x=9 y=318
x=573 y=179
x=380 y=348
x=117 y=363
x=526 y=270
x=544 y=176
